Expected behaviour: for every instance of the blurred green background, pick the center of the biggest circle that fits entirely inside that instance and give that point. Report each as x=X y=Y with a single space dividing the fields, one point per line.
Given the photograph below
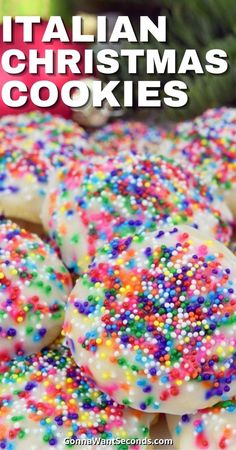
x=198 y=24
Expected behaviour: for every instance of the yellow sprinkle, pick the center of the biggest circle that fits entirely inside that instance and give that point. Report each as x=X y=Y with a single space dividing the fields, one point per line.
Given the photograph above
x=219 y=350
x=95 y=394
x=84 y=416
x=123 y=434
x=120 y=261
x=105 y=376
x=210 y=242
x=29 y=177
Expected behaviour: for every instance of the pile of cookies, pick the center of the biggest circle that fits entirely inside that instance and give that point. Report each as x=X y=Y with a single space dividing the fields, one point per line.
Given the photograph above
x=133 y=272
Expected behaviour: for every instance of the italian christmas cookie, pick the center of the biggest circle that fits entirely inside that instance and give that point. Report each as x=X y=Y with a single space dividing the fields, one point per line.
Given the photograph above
x=153 y=321
x=208 y=143
x=34 y=286
x=134 y=136
x=212 y=428
x=47 y=402
x=31 y=145
x=89 y=204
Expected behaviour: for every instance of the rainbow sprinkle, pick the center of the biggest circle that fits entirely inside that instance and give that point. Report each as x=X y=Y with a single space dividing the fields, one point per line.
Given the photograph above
x=212 y=428
x=34 y=286
x=208 y=144
x=31 y=145
x=153 y=321
x=45 y=398
x=133 y=136
x=89 y=204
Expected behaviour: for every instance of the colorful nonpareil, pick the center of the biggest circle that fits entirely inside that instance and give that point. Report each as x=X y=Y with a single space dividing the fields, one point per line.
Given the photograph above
x=34 y=286
x=153 y=321
x=123 y=135
x=30 y=146
x=210 y=429
x=89 y=204
x=47 y=402
x=208 y=144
